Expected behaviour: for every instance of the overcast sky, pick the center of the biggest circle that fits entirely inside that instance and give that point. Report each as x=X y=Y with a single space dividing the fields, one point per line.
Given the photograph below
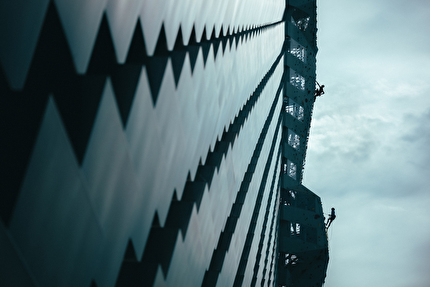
x=369 y=146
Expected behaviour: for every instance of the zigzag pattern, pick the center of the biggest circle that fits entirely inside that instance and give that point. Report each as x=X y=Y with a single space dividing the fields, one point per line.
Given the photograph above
x=225 y=237
x=81 y=21
x=271 y=243
x=141 y=136
x=180 y=212
x=256 y=219
x=217 y=204
x=268 y=216
x=97 y=177
x=232 y=256
x=78 y=96
x=274 y=258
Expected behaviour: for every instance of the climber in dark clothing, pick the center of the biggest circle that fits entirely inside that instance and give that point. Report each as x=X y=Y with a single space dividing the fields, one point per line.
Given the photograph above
x=320 y=91
x=331 y=218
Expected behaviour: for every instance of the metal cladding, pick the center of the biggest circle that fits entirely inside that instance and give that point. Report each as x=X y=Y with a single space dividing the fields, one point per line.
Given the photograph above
x=149 y=143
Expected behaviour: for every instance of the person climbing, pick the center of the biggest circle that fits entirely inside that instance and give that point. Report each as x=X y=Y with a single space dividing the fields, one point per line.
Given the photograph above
x=331 y=218
x=320 y=91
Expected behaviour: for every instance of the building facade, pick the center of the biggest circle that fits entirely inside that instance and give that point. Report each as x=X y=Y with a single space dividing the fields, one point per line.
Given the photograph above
x=302 y=244
x=157 y=143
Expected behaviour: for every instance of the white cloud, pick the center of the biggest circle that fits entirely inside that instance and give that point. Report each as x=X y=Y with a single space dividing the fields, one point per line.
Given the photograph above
x=368 y=153
x=373 y=241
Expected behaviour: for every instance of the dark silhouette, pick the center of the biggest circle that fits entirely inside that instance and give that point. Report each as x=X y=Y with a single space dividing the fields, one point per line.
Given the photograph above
x=331 y=218
x=320 y=91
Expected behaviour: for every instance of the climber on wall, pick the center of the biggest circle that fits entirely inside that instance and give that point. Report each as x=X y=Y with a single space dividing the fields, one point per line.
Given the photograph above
x=331 y=218
x=319 y=91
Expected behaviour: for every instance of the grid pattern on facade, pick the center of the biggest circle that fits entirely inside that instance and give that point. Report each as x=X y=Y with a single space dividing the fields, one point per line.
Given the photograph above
x=302 y=241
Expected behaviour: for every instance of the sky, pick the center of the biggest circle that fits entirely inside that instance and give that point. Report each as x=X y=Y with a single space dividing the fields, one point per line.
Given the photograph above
x=369 y=147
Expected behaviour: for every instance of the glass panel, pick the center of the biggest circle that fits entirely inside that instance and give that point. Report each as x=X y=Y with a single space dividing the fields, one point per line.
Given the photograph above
x=297 y=80
x=301 y=23
x=291 y=169
x=300 y=113
x=294 y=229
x=294 y=109
x=297 y=228
x=293 y=139
x=292 y=193
x=289 y=198
x=297 y=50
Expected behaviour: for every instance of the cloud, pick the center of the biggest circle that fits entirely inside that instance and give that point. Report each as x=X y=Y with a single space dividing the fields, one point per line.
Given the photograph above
x=368 y=152
x=352 y=137
x=372 y=154
x=419 y=131
x=379 y=241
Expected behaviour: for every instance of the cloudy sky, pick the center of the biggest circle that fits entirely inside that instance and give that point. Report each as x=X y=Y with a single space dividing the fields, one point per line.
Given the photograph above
x=369 y=147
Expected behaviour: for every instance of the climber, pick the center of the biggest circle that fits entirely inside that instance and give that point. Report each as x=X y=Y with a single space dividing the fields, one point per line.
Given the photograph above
x=331 y=218
x=320 y=91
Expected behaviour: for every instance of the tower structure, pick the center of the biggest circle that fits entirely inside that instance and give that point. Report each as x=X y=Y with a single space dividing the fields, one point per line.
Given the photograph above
x=303 y=245
x=155 y=143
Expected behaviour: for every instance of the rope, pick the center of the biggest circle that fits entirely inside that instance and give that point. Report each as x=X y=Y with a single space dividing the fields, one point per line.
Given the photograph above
x=331 y=258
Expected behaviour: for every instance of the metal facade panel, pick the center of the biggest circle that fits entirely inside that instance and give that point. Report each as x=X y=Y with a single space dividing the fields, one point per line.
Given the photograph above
x=144 y=139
